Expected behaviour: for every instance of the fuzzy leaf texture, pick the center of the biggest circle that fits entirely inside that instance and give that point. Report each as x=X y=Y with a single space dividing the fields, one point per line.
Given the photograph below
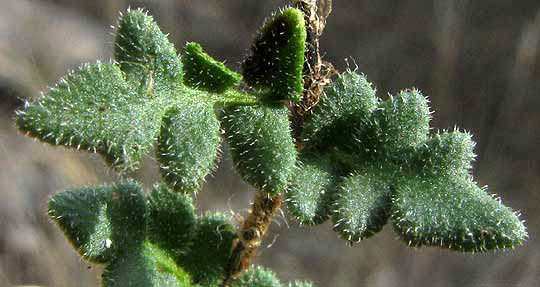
x=397 y=126
x=212 y=247
x=188 y=144
x=362 y=206
x=101 y=223
x=312 y=190
x=201 y=246
x=145 y=54
x=454 y=212
x=112 y=109
x=346 y=105
x=203 y=72
x=404 y=120
x=261 y=145
x=258 y=276
x=171 y=221
x=276 y=59
x=93 y=109
x=147 y=266
x=445 y=154
x=422 y=182
x=154 y=241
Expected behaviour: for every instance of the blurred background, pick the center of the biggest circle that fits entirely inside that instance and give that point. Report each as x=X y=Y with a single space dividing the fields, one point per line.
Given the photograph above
x=478 y=62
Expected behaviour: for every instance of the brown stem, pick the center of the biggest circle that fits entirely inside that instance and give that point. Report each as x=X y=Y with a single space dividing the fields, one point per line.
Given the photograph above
x=252 y=233
x=316 y=75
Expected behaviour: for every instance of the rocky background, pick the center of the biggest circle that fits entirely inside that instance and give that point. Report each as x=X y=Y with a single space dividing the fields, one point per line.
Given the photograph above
x=479 y=62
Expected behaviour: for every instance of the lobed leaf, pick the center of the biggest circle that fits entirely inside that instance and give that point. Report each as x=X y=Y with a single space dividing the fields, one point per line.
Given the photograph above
x=445 y=154
x=312 y=190
x=82 y=216
x=145 y=54
x=276 y=60
x=92 y=109
x=147 y=266
x=212 y=247
x=103 y=222
x=261 y=145
x=403 y=121
x=188 y=144
x=127 y=209
x=346 y=105
x=112 y=109
x=362 y=206
x=257 y=276
x=203 y=72
x=455 y=213
x=171 y=221
x=389 y=137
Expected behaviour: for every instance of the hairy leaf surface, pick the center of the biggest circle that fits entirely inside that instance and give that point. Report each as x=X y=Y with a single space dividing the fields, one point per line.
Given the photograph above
x=102 y=222
x=276 y=60
x=212 y=247
x=261 y=145
x=112 y=109
x=145 y=54
x=203 y=72
x=257 y=276
x=171 y=220
x=346 y=106
x=445 y=154
x=455 y=213
x=403 y=120
x=312 y=190
x=147 y=266
x=188 y=144
x=362 y=206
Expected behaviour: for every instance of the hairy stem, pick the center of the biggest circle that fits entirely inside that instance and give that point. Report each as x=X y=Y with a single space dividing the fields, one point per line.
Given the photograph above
x=252 y=233
x=316 y=75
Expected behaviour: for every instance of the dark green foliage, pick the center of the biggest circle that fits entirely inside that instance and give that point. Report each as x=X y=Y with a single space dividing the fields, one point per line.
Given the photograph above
x=82 y=215
x=127 y=212
x=203 y=72
x=454 y=212
x=188 y=144
x=211 y=249
x=362 y=206
x=117 y=109
x=257 y=276
x=312 y=190
x=386 y=137
x=446 y=154
x=102 y=222
x=403 y=121
x=92 y=109
x=147 y=266
x=347 y=105
x=145 y=54
x=145 y=242
x=387 y=146
x=102 y=109
x=276 y=59
x=171 y=220
x=395 y=170
x=261 y=145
